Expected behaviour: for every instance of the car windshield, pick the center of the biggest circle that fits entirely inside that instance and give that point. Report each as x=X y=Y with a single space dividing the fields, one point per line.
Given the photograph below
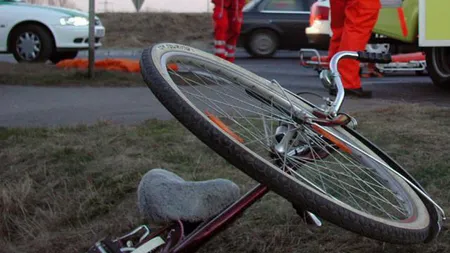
x=250 y=5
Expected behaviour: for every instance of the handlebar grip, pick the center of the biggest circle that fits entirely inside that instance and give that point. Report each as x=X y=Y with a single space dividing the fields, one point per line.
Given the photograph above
x=374 y=57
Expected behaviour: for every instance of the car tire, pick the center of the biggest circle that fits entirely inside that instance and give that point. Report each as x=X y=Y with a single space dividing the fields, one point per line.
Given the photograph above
x=262 y=43
x=37 y=45
x=438 y=65
x=61 y=56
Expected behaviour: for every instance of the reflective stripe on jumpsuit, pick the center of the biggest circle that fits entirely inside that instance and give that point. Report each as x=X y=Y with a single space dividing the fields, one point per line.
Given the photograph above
x=227 y=17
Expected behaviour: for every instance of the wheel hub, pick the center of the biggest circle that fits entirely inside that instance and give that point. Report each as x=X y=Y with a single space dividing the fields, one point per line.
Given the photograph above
x=28 y=46
x=263 y=44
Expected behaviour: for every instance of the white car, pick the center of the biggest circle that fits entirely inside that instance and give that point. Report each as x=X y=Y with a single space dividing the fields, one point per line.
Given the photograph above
x=319 y=30
x=37 y=33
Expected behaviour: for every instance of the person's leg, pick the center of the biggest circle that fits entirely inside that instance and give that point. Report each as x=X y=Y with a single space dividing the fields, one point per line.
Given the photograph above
x=220 y=17
x=337 y=21
x=361 y=17
x=235 y=17
x=337 y=8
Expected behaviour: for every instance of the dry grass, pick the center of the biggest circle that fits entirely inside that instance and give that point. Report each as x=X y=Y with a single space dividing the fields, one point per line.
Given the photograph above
x=131 y=30
x=62 y=189
x=50 y=75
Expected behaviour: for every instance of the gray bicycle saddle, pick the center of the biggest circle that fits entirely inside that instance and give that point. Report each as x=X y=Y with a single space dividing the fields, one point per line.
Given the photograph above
x=163 y=196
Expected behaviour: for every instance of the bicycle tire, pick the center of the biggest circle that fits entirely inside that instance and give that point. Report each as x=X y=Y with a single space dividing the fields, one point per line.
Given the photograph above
x=237 y=155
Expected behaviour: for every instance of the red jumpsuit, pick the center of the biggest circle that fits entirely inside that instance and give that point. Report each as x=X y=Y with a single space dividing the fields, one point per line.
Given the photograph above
x=227 y=18
x=352 y=22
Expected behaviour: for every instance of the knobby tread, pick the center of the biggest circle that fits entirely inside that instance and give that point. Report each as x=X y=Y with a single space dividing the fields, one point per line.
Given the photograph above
x=261 y=172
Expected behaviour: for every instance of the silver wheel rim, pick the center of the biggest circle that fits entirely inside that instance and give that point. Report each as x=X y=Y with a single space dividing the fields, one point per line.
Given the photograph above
x=28 y=46
x=212 y=104
x=263 y=44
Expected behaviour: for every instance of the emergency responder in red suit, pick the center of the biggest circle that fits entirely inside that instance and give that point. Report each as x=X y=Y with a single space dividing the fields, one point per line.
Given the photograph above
x=352 y=22
x=227 y=19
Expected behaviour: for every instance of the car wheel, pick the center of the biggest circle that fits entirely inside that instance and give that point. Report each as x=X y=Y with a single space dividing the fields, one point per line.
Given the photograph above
x=263 y=43
x=31 y=43
x=438 y=65
x=61 y=56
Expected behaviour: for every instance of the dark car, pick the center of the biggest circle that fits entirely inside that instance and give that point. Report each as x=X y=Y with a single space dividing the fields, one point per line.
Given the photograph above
x=270 y=25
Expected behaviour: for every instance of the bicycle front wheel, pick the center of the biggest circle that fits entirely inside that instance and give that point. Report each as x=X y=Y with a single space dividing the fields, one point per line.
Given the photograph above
x=247 y=120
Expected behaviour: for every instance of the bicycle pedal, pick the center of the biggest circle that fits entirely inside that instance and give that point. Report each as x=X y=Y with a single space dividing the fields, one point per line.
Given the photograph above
x=105 y=245
x=137 y=241
x=141 y=232
x=150 y=245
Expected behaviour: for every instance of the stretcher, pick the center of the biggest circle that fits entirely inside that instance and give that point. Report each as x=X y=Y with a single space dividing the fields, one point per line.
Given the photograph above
x=400 y=63
x=316 y=61
x=404 y=62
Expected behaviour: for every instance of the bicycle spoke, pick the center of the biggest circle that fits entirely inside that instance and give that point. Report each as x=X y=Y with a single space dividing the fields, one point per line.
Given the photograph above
x=320 y=163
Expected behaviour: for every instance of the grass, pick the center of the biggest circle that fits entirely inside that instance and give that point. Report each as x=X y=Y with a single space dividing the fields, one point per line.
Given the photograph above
x=64 y=188
x=50 y=75
x=124 y=30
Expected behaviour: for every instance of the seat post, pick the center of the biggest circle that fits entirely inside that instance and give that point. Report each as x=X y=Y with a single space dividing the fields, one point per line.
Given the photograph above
x=199 y=237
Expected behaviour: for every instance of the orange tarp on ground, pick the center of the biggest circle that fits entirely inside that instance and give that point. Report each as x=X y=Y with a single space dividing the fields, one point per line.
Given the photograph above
x=126 y=65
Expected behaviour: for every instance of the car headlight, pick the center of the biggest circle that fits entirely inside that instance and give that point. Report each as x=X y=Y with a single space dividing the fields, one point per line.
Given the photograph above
x=75 y=21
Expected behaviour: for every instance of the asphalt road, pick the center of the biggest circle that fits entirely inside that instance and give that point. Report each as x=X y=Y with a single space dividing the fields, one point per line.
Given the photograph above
x=42 y=106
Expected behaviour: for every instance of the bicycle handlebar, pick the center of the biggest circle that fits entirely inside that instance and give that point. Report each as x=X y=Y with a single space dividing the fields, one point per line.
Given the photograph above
x=360 y=56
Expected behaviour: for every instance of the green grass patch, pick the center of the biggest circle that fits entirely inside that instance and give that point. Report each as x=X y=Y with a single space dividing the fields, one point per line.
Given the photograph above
x=62 y=189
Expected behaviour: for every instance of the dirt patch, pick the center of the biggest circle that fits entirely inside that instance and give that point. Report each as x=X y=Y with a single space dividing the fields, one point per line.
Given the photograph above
x=50 y=75
x=137 y=30
x=64 y=188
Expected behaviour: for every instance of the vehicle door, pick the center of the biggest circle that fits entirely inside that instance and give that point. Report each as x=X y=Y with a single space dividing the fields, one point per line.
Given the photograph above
x=291 y=17
x=4 y=28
